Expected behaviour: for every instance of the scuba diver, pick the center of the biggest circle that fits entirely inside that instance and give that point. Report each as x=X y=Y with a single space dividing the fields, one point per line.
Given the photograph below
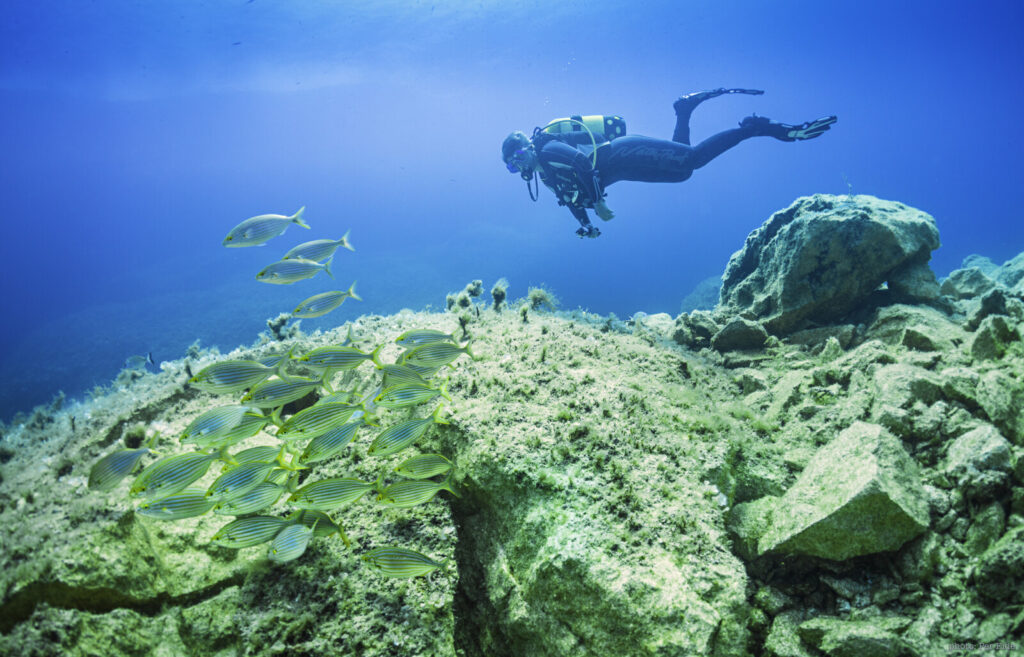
x=558 y=153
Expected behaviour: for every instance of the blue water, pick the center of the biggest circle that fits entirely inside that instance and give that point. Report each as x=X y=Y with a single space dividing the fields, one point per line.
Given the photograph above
x=136 y=134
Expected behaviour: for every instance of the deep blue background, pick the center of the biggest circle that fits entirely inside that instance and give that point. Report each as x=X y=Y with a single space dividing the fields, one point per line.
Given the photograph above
x=136 y=134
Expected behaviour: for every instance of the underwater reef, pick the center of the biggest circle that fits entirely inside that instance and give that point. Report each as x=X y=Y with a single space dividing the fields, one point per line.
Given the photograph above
x=829 y=462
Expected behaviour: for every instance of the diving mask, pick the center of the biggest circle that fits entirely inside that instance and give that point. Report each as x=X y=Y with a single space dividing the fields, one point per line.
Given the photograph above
x=518 y=159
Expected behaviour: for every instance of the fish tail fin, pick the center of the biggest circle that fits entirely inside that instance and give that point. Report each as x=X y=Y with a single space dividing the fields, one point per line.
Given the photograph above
x=327 y=266
x=444 y=390
x=224 y=455
x=149 y=358
x=437 y=415
x=279 y=368
x=297 y=217
x=344 y=241
x=341 y=533
x=447 y=485
x=374 y=355
x=351 y=292
x=468 y=352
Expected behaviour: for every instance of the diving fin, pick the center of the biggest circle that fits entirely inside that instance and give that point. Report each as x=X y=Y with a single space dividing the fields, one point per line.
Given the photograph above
x=698 y=97
x=786 y=132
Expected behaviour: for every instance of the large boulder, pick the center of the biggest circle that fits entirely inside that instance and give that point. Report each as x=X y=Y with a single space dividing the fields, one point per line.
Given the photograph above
x=821 y=257
x=1011 y=273
x=860 y=494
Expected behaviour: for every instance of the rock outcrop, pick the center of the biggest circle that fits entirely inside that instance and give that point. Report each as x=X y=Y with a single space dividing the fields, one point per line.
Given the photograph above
x=820 y=258
x=651 y=488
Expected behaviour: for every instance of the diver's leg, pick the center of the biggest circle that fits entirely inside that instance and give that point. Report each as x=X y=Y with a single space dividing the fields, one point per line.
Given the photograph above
x=717 y=144
x=685 y=105
x=756 y=126
x=644 y=159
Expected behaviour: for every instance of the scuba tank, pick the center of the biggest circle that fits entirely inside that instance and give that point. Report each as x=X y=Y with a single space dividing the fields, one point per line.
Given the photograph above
x=596 y=127
x=577 y=130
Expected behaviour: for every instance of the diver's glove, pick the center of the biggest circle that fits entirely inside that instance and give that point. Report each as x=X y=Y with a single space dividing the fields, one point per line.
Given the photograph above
x=590 y=230
x=603 y=211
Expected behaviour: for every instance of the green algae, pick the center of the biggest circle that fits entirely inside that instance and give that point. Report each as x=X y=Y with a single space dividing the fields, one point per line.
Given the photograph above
x=603 y=488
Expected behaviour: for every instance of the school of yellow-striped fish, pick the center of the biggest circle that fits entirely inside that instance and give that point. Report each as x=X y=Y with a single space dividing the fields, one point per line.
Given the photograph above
x=252 y=482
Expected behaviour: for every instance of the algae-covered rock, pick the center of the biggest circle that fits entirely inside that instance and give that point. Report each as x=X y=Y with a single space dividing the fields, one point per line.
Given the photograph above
x=820 y=258
x=784 y=639
x=103 y=580
x=1011 y=273
x=1001 y=397
x=979 y=462
x=1000 y=571
x=855 y=638
x=997 y=302
x=903 y=385
x=921 y=328
x=967 y=283
x=991 y=339
x=596 y=536
x=860 y=494
x=741 y=334
x=695 y=329
x=987 y=526
x=843 y=334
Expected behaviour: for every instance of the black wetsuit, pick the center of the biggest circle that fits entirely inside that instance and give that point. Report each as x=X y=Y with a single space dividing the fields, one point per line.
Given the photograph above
x=570 y=174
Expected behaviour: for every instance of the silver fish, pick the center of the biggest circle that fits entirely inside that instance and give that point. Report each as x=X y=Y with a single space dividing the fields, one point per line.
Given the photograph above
x=286 y=272
x=255 y=231
x=318 y=249
x=319 y=305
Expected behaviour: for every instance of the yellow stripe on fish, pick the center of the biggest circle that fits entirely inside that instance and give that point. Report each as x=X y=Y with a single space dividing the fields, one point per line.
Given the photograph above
x=249 y=531
x=332 y=442
x=435 y=354
x=262 y=496
x=403 y=494
x=316 y=420
x=278 y=392
x=290 y=543
x=171 y=474
x=424 y=466
x=217 y=423
x=108 y=472
x=337 y=357
x=417 y=337
x=239 y=480
x=409 y=394
x=400 y=562
x=233 y=375
x=186 y=504
x=328 y=494
x=396 y=438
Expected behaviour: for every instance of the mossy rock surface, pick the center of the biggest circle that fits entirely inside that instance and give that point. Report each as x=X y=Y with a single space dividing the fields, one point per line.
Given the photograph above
x=598 y=463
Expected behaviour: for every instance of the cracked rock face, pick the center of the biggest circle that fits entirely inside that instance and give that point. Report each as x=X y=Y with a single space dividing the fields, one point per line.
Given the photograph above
x=824 y=255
